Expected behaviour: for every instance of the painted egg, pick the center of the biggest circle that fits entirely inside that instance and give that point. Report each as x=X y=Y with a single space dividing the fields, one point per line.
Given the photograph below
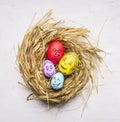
x=57 y=81
x=55 y=51
x=48 y=68
x=68 y=63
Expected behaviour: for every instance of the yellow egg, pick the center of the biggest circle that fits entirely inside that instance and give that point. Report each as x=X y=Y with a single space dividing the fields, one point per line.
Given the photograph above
x=68 y=63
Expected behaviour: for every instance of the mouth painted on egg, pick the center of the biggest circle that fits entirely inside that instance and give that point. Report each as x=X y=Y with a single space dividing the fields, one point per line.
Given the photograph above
x=50 y=74
x=56 y=85
x=63 y=67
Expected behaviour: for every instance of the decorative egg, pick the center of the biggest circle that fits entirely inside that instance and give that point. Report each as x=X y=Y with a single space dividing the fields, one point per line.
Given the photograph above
x=68 y=63
x=57 y=81
x=55 y=51
x=48 y=68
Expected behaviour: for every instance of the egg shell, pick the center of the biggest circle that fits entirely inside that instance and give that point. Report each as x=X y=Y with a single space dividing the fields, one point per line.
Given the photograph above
x=68 y=63
x=55 y=51
x=48 y=68
x=57 y=81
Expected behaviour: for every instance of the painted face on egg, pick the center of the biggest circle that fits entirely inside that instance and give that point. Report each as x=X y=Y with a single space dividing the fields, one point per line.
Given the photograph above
x=55 y=51
x=48 y=68
x=57 y=81
x=68 y=63
x=56 y=54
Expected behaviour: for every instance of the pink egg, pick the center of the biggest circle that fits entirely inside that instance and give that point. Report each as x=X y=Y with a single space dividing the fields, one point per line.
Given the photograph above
x=48 y=68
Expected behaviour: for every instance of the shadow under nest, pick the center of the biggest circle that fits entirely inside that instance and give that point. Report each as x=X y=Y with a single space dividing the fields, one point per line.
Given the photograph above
x=32 y=54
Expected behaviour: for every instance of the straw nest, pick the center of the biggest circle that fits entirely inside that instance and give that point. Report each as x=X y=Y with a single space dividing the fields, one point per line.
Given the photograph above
x=32 y=53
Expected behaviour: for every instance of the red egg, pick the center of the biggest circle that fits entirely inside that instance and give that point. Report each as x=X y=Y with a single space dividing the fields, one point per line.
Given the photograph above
x=55 y=51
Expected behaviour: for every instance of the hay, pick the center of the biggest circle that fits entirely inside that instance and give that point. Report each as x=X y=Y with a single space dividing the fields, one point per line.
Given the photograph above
x=32 y=53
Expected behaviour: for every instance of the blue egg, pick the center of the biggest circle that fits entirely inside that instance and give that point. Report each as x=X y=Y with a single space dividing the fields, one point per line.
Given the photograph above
x=57 y=81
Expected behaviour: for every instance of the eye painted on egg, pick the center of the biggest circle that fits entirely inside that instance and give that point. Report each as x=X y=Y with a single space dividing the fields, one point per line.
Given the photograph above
x=48 y=68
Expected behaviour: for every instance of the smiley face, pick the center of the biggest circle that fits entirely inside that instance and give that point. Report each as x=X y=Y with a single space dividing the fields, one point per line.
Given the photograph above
x=55 y=51
x=48 y=68
x=68 y=63
x=57 y=81
x=56 y=55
